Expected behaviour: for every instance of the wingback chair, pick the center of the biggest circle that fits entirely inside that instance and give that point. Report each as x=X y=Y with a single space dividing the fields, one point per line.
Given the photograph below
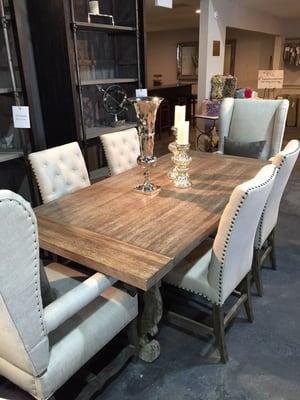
x=59 y=171
x=227 y=264
x=121 y=149
x=264 y=240
x=245 y=120
x=41 y=348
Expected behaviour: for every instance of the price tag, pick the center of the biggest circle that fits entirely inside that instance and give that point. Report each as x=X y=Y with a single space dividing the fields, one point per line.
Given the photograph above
x=141 y=93
x=164 y=3
x=21 y=117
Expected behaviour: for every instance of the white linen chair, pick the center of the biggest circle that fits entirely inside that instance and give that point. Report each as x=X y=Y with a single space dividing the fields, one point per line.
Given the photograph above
x=59 y=171
x=121 y=149
x=227 y=264
x=265 y=235
x=41 y=348
x=247 y=120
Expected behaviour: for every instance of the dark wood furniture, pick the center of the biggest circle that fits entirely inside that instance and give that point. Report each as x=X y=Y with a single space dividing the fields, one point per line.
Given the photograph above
x=18 y=86
x=74 y=56
x=174 y=95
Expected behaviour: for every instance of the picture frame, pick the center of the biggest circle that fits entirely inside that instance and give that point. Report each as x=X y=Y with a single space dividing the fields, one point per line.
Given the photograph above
x=187 y=61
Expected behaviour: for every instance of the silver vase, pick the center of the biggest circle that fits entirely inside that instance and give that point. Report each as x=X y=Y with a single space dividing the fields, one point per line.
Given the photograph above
x=146 y=109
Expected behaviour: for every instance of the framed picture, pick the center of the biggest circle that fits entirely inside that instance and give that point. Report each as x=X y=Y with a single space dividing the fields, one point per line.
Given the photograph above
x=187 y=61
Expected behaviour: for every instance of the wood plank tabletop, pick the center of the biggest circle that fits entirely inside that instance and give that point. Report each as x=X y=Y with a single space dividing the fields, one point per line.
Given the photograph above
x=136 y=238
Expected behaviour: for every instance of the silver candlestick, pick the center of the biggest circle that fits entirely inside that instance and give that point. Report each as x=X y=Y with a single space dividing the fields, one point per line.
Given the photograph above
x=182 y=161
x=173 y=149
x=146 y=109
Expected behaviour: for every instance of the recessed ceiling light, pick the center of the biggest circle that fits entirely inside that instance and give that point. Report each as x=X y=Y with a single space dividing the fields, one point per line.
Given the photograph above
x=198 y=11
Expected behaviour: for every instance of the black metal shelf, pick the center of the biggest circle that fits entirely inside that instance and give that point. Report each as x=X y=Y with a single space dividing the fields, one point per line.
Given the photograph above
x=85 y=26
x=107 y=81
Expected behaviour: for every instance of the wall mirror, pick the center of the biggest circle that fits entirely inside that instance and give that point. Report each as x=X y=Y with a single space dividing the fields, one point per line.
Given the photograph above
x=187 y=61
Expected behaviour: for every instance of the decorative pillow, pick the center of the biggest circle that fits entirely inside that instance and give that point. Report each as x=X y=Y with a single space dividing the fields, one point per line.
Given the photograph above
x=47 y=294
x=244 y=149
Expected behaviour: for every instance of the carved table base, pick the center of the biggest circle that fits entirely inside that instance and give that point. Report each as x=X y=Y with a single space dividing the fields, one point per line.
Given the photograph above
x=151 y=315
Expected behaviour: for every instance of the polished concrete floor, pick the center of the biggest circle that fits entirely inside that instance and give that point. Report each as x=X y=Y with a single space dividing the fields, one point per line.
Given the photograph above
x=264 y=356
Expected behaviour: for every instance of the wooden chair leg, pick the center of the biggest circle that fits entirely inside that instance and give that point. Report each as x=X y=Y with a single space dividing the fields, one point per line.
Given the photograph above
x=272 y=253
x=246 y=288
x=256 y=270
x=219 y=331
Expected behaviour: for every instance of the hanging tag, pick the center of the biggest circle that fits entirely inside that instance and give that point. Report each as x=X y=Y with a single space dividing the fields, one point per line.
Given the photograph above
x=21 y=117
x=141 y=93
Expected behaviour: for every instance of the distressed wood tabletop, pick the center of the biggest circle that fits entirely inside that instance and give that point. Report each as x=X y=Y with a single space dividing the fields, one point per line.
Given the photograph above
x=137 y=239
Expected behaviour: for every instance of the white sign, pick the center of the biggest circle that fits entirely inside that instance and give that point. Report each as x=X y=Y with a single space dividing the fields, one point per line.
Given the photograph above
x=270 y=79
x=164 y=3
x=141 y=93
x=21 y=117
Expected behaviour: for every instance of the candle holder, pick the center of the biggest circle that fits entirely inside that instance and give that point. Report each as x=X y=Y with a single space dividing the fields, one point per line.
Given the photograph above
x=146 y=109
x=182 y=161
x=173 y=149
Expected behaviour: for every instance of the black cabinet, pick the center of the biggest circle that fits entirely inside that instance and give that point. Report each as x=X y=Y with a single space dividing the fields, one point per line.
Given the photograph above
x=78 y=58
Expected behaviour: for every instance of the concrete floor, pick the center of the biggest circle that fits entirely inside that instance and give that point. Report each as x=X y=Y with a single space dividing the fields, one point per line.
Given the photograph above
x=264 y=356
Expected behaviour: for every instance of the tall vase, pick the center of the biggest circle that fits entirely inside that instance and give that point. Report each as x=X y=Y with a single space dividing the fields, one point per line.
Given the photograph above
x=146 y=109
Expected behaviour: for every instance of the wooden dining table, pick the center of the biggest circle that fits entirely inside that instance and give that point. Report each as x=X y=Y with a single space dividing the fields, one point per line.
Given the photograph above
x=137 y=239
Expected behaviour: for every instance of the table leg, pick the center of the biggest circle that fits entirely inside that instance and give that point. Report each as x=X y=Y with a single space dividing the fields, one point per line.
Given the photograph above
x=151 y=315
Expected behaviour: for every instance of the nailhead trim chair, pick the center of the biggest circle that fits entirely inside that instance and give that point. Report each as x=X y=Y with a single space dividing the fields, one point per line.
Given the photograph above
x=247 y=120
x=227 y=264
x=41 y=348
x=264 y=241
x=59 y=171
x=121 y=150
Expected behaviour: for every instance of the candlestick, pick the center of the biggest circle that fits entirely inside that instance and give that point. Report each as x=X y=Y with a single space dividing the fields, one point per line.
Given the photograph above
x=182 y=161
x=173 y=149
x=179 y=115
x=183 y=131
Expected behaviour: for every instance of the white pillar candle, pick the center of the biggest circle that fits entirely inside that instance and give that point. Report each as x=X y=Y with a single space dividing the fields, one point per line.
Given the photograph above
x=183 y=131
x=94 y=7
x=179 y=115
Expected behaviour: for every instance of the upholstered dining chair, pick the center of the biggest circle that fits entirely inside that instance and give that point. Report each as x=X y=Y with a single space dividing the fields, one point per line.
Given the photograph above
x=121 y=149
x=264 y=240
x=59 y=170
x=261 y=122
x=227 y=264
x=42 y=347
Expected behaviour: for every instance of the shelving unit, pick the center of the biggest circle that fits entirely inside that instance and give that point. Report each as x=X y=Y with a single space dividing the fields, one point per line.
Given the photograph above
x=83 y=56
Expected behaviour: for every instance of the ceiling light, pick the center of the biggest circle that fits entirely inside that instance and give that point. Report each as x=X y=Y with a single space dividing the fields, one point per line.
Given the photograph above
x=198 y=11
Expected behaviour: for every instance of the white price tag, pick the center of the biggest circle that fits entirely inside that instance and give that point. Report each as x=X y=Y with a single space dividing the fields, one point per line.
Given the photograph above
x=164 y=3
x=21 y=117
x=141 y=93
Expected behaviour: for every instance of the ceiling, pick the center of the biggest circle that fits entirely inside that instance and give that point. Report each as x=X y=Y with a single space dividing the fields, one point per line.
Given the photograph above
x=277 y=8
x=181 y=16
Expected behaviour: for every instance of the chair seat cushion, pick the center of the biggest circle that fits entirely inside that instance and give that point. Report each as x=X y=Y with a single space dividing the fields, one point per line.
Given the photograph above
x=83 y=335
x=244 y=149
x=191 y=274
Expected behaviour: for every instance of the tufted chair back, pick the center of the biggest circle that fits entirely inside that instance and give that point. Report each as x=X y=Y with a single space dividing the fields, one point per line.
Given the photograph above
x=284 y=161
x=233 y=246
x=121 y=149
x=59 y=171
x=24 y=341
x=247 y=120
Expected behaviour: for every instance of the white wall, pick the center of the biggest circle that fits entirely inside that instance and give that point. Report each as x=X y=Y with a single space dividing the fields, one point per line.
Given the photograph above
x=253 y=52
x=161 y=53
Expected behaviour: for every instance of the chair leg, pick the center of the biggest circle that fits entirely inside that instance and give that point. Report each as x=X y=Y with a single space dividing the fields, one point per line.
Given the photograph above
x=219 y=331
x=246 y=288
x=256 y=269
x=272 y=254
x=133 y=338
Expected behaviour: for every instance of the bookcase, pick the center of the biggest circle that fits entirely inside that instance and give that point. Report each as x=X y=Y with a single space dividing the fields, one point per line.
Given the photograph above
x=77 y=59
